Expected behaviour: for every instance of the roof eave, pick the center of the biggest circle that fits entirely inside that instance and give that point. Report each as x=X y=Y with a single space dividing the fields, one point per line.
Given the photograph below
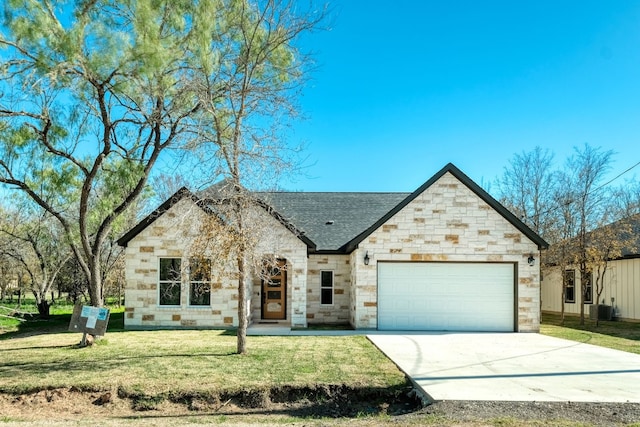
x=184 y=192
x=311 y=246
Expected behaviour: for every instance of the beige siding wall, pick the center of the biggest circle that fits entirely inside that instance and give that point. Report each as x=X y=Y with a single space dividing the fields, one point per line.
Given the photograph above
x=338 y=312
x=447 y=222
x=170 y=236
x=622 y=283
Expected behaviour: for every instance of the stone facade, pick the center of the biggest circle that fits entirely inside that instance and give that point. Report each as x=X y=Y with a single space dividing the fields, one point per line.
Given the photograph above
x=283 y=244
x=338 y=312
x=170 y=236
x=447 y=222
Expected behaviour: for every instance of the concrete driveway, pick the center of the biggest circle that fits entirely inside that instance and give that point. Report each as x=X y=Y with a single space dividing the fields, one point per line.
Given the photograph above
x=512 y=366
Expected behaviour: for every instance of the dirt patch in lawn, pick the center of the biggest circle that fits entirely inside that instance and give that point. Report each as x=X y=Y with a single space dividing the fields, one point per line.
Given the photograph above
x=346 y=405
x=333 y=401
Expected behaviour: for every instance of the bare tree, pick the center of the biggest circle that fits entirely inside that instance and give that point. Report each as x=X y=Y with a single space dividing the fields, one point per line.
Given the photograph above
x=626 y=198
x=571 y=208
x=589 y=166
x=165 y=185
x=7 y=270
x=246 y=102
x=527 y=186
x=562 y=231
x=33 y=245
x=605 y=244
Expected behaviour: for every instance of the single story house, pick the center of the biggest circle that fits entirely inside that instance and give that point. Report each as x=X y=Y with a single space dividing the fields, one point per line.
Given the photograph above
x=621 y=284
x=446 y=257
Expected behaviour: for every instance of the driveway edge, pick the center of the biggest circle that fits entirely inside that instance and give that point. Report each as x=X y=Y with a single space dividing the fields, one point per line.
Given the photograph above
x=425 y=398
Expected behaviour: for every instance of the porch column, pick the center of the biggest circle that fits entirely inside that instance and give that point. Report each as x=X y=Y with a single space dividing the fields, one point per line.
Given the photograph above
x=299 y=292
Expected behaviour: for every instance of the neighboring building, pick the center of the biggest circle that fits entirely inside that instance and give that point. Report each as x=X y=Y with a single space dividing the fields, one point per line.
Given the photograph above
x=446 y=257
x=621 y=284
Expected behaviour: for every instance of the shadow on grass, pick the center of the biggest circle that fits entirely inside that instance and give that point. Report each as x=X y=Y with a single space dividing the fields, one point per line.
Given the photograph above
x=57 y=323
x=618 y=329
x=41 y=347
x=105 y=362
x=14 y=369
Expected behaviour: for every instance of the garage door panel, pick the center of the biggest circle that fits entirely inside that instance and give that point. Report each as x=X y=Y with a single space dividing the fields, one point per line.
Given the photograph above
x=446 y=296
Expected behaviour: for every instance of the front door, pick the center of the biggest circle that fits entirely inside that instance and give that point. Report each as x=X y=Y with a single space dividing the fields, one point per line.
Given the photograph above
x=274 y=293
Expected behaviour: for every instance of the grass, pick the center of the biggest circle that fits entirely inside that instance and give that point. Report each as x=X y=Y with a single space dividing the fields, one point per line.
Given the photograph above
x=618 y=335
x=154 y=362
x=38 y=355
x=60 y=316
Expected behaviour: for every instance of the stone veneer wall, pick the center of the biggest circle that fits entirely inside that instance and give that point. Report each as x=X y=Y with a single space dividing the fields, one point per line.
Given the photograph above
x=447 y=222
x=338 y=312
x=170 y=236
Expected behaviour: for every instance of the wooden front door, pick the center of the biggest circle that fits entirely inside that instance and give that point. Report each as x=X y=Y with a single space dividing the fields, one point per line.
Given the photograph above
x=274 y=293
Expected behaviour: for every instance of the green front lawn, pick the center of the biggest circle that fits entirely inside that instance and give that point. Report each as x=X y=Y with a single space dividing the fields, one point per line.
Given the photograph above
x=38 y=355
x=41 y=354
x=623 y=336
x=156 y=362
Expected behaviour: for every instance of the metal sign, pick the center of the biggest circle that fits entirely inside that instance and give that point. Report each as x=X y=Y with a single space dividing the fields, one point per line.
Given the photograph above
x=89 y=320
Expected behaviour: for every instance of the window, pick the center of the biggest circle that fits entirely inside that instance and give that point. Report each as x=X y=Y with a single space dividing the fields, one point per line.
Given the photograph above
x=570 y=286
x=587 y=286
x=169 y=281
x=199 y=281
x=326 y=287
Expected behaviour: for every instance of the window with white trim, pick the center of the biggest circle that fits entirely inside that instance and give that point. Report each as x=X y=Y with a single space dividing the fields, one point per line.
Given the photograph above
x=200 y=281
x=169 y=281
x=326 y=287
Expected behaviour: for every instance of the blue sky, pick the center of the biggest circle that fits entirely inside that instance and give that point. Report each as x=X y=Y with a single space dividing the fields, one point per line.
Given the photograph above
x=404 y=87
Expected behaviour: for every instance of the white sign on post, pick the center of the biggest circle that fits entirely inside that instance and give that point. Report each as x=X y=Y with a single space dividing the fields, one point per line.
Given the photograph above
x=89 y=320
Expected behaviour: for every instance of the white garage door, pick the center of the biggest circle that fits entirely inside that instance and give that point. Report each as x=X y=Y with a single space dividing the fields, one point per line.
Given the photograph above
x=442 y=296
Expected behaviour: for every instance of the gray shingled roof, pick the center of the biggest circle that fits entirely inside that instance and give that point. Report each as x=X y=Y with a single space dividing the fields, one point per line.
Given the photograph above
x=350 y=213
x=335 y=222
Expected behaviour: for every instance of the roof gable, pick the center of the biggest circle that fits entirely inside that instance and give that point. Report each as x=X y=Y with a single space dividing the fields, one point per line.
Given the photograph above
x=337 y=222
x=150 y=219
x=206 y=205
x=475 y=188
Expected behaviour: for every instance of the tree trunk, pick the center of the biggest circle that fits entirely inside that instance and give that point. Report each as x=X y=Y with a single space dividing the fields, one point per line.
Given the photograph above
x=242 y=306
x=599 y=282
x=96 y=297
x=119 y=293
x=43 y=308
x=583 y=288
x=562 y=295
